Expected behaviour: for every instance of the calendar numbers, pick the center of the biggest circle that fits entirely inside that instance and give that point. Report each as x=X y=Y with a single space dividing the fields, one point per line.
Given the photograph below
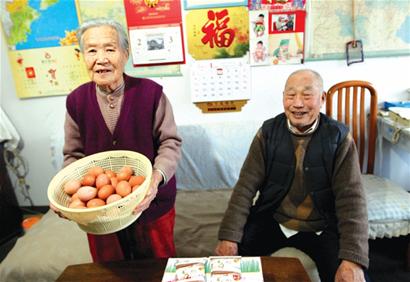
x=220 y=80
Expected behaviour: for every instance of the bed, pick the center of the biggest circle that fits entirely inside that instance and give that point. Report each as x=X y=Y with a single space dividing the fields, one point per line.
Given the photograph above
x=53 y=243
x=212 y=155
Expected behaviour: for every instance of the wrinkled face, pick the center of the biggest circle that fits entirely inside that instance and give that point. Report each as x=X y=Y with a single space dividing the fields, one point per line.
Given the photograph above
x=104 y=57
x=302 y=99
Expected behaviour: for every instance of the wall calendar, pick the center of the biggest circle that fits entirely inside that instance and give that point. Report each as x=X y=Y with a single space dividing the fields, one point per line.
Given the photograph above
x=220 y=80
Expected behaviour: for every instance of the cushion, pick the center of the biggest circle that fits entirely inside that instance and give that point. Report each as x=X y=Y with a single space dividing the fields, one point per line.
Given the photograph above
x=388 y=207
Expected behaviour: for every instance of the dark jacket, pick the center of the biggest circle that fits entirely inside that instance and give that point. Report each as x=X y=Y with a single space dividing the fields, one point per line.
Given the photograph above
x=317 y=165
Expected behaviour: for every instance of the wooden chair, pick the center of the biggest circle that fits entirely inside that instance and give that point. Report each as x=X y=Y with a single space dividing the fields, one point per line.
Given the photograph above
x=353 y=98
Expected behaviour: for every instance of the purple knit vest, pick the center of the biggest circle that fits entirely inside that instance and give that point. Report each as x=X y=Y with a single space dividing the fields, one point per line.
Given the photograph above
x=134 y=130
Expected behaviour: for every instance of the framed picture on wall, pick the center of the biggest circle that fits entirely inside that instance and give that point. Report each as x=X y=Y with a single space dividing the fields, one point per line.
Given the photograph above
x=200 y=4
x=217 y=33
x=157 y=45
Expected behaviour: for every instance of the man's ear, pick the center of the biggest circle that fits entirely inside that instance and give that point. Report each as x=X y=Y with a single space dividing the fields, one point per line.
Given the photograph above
x=323 y=96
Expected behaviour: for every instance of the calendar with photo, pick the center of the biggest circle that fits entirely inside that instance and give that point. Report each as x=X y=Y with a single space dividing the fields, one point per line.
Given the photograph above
x=155 y=32
x=155 y=46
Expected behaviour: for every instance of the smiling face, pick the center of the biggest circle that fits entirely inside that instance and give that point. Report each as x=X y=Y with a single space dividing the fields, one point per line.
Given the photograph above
x=104 y=57
x=302 y=99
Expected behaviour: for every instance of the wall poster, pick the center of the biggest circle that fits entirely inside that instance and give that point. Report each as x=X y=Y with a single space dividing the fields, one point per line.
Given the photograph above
x=277 y=31
x=217 y=33
x=44 y=55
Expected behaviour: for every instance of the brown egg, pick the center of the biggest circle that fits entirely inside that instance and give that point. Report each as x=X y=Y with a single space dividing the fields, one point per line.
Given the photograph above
x=113 y=198
x=114 y=181
x=72 y=186
x=86 y=193
x=97 y=170
x=110 y=173
x=127 y=169
x=136 y=180
x=105 y=191
x=74 y=197
x=123 y=188
x=123 y=175
x=93 y=203
x=77 y=204
x=88 y=180
x=102 y=180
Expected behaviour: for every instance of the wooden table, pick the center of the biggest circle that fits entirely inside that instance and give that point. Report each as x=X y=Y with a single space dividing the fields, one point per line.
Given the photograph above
x=275 y=269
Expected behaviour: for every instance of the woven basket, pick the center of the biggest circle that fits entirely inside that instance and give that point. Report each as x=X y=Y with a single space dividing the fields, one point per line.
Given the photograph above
x=111 y=217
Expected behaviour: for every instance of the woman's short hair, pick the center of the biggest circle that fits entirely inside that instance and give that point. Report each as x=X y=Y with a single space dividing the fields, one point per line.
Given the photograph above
x=122 y=35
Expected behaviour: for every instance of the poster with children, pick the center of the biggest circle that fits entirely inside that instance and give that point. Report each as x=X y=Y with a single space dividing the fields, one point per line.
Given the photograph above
x=258 y=37
x=286 y=37
x=276 y=34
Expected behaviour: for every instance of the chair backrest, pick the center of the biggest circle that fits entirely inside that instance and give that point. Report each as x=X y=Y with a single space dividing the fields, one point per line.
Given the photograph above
x=352 y=98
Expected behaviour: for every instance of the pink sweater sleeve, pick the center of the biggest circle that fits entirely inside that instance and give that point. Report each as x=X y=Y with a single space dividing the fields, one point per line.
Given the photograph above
x=73 y=147
x=165 y=131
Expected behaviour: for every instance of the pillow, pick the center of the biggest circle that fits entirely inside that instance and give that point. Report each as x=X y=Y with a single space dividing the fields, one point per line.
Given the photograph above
x=388 y=207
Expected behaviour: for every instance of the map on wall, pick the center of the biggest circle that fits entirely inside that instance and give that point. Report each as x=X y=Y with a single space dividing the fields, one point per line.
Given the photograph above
x=38 y=24
x=43 y=51
x=382 y=25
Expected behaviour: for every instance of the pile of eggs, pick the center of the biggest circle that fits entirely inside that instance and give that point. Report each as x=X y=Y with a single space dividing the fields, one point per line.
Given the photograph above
x=99 y=187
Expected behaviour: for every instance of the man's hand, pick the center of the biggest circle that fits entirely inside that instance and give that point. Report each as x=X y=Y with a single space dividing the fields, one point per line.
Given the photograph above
x=226 y=248
x=349 y=271
x=152 y=192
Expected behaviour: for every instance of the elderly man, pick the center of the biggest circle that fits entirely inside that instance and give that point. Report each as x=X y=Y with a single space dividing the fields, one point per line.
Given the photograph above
x=300 y=186
x=118 y=112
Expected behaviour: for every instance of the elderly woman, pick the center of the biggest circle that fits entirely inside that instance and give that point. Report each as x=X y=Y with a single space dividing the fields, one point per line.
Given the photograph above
x=118 y=112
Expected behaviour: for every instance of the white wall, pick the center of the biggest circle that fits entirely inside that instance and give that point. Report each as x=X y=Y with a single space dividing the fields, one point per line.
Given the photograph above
x=39 y=120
